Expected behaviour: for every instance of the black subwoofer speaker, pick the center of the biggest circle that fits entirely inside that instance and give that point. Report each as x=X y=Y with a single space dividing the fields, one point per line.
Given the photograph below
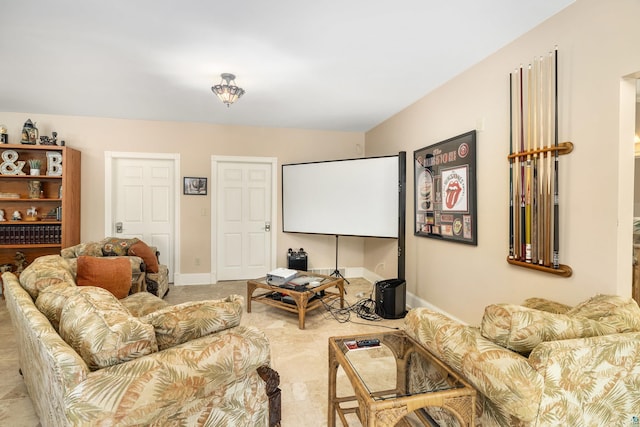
x=390 y=298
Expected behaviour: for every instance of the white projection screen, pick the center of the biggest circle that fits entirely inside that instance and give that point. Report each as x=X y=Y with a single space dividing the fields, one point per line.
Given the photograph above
x=355 y=197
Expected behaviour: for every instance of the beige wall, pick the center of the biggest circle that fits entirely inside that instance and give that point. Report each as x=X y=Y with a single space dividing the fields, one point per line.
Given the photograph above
x=196 y=143
x=597 y=44
x=598 y=47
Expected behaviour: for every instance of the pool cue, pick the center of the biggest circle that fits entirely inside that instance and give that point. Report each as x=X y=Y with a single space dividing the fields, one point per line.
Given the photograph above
x=556 y=200
x=522 y=170
x=534 y=164
x=511 y=236
x=517 y=250
x=528 y=172
x=547 y=214
x=540 y=161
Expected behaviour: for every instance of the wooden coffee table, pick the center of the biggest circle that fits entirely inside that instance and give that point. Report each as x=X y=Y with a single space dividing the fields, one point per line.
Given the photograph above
x=385 y=392
x=303 y=300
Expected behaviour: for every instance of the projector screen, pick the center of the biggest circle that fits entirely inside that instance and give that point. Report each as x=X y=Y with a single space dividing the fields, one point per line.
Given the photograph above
x=356 y=197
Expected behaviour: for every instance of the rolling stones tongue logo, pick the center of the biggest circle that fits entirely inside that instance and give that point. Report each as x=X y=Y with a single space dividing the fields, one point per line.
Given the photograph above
x=454 y=189
x=452 y=194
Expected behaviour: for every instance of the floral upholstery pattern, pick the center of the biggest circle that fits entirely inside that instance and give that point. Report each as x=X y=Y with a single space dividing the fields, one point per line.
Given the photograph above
x=43 y=272
x=546 y=305
x=102 y=331
x=521 y=329
x=113 y=246
x=51 y=300
x=593 y=381
x=212 y=380
x=187 y=321
x=143 y=303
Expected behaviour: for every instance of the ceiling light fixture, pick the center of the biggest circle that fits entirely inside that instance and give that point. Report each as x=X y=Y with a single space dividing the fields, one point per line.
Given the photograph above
x=227 y=90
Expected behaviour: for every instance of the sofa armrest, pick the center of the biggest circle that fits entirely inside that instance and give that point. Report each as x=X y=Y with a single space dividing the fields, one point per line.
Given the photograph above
x=209 y=378
x=503 y=376
x=597 y=376
x=50 y=367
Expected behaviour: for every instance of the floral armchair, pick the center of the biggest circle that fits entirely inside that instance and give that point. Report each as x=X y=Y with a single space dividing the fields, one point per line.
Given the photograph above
x=147 y=274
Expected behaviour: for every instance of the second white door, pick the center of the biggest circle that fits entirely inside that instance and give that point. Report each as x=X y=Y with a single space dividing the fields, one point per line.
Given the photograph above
x=244 y=224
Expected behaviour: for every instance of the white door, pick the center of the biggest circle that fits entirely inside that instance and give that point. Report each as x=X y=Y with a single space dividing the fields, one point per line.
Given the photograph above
x=244 y=209
x=143 y=203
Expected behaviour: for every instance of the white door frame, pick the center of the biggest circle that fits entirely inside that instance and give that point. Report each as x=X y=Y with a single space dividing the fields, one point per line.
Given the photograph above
x=215 y=160
x=109 y=158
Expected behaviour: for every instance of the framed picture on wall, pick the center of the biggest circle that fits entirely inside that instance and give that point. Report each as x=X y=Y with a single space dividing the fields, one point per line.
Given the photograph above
x=445 y=190
x=195 y=186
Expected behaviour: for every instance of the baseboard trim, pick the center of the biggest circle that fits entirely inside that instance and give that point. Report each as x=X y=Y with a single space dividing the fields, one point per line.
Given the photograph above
x=192 y=279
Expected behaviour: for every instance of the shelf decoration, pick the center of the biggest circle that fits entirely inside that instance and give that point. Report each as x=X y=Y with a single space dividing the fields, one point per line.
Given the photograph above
x=10 y=163
x=534 y=226
x=35 y=189
x=54 y=163
x=34 y=167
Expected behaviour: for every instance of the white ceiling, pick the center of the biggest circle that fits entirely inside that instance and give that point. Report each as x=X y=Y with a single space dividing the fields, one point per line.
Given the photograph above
x=336 y=64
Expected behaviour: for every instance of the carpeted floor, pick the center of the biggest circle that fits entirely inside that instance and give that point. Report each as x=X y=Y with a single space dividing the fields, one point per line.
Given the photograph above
x=300 y=356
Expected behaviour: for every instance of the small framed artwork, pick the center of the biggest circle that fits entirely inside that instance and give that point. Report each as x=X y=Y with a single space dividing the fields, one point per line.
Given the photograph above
x=195 y=186
x=445 y=190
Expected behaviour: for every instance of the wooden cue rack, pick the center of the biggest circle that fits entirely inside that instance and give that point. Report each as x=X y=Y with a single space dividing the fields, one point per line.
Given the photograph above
x=563 y=270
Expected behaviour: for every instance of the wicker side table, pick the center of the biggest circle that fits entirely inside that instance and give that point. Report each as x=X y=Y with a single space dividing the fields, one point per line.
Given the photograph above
x=384 y=394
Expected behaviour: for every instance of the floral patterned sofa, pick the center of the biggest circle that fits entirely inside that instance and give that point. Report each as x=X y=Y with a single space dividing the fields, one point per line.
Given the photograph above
x=156 y=282
x=89 y=359
x=541 y=363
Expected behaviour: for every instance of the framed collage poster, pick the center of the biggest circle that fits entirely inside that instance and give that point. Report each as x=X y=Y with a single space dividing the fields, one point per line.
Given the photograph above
x=445 y=190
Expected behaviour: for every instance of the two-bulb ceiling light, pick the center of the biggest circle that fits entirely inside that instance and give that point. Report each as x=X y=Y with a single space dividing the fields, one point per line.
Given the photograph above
x=227 y=90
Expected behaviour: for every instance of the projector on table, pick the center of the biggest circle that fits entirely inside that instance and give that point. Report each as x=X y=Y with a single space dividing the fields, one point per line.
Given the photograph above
x=280 y=276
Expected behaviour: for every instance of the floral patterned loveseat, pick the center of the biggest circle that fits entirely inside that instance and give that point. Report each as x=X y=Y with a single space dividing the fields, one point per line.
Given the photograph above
x=89 y=359
x=541 y=363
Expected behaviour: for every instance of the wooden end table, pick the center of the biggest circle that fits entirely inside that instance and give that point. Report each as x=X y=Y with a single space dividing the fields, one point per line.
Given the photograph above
x=303 y=301
x=385 y=392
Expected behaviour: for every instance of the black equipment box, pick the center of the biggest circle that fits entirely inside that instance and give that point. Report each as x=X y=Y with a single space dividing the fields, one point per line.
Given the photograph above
x=390 y=298
x=297 y=260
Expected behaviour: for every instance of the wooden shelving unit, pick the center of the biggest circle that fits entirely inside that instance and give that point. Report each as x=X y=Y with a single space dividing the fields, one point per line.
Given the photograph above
x=48 y=234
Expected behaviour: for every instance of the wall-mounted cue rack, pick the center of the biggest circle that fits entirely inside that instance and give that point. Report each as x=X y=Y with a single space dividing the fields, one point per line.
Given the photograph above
x=534 y=150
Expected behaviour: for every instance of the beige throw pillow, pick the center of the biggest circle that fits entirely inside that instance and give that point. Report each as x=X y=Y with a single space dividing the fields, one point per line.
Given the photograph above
x=96 y=325
x=183 y=322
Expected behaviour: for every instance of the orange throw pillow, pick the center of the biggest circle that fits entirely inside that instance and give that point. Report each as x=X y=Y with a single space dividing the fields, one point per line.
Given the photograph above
x=112 y=274
x=149 y=257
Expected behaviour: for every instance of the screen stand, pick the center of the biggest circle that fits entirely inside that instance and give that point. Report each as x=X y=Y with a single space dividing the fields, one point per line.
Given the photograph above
x=336 y=272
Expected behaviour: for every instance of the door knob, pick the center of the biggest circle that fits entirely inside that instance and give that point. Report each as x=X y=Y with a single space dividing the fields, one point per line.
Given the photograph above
x=118 y=227
x=267 y=226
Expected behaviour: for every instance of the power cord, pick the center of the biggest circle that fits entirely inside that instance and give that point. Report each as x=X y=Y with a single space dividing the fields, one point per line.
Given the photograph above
x=364 y=308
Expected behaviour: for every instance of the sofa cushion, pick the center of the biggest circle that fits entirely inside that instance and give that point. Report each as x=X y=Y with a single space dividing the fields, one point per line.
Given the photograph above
x=149 y=257
x=142 y=303
x=184 y=322
x=51 y=301
x=619 y=312
x=112 y=274
x=113 y=246
x=98 y=327
x=521 y=328
x=45 y=271
x=546 y=305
